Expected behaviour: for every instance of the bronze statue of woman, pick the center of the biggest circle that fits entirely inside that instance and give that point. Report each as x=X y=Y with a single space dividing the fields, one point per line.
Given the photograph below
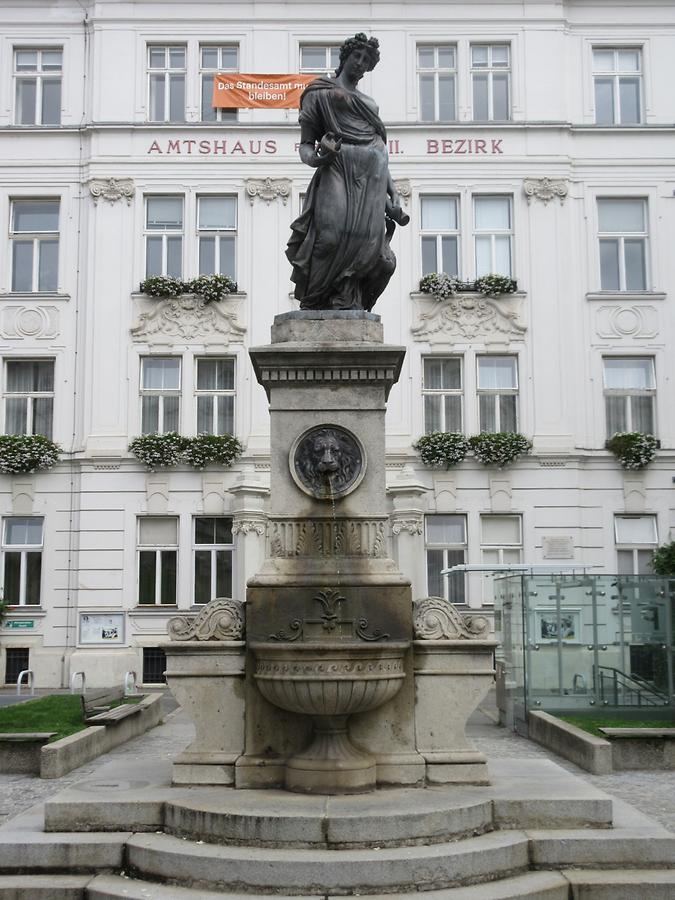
x=340 y=244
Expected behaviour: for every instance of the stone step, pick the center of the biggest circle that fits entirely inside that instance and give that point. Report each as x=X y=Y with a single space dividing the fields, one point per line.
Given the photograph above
x=602 y=848
x=33 y=853
x=160 y=857
x=649 y=884
x=43 y=887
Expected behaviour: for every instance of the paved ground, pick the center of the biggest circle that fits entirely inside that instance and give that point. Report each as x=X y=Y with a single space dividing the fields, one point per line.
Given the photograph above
x=653 y=793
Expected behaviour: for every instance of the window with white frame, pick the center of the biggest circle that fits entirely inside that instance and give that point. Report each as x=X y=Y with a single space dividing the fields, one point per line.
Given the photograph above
x=34 y=236
x=213 y=59
x=166 y=82
x=319 y=58
x=440 y=235
x=636 y=538
x=157 y=560
x=490 y=82
x=442 y=392
x=217 y=229
x=160 y=394
x=493 y=235
x=497 y=393
x=22 y=560
x=215 y=395
x=29 y=396
x=445 y=547
x=501 y=544
x=630 y=393
x=617 y=82
x=164 y=236
x=37 y=81
x=213 y=549
x=437 y=79
x=622 y=234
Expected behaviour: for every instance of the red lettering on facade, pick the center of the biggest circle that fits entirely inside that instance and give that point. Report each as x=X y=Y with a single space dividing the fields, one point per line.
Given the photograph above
x=480 y=146
x=497 y=146
x=154 y=148
x=189 y=143
x=271 y=147
x=238 y=148
x=220 y=147
x=459 y=147
x=204 y=147
x=446 y=146
x=432 y=146
x=255 y=150
x=173 y=147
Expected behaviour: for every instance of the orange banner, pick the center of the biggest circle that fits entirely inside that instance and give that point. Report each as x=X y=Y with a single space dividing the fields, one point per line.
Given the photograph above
x=237 y=91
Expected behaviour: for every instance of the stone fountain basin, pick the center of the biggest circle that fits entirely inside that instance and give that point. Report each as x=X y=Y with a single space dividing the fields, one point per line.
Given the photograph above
x=329 y=678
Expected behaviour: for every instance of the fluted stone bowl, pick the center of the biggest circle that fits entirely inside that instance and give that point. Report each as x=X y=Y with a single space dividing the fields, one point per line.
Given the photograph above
x=329 y=681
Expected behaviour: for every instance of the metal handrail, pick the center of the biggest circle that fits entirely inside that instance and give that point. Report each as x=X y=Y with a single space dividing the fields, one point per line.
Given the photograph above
x=30 y=681
x=72 y=683
x=633 y=684
x=129 y=689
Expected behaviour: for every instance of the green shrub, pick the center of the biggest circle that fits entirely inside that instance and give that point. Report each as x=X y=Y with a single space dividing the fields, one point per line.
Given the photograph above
x=663 y=560
x=222 y=449
x=495 y=284
x=633 y=449
x=442 y=448
x=499 y=449
x=208 y=287
x=27 y=453
x=440 y=285
x=170 y=449
x=159 y=451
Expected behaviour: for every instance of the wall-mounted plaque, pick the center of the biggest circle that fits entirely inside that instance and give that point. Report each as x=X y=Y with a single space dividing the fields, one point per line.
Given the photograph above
x=327 y=462
x=558 y=546
x=101 y=628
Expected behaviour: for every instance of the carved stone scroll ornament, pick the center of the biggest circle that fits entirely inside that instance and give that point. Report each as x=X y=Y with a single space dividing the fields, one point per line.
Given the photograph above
x=268 y=189
x=545 y=189
x=112 y=189
x=412 y=524
x=189 y=317
x=434 y=619
x=220 y=620
x=331 y=623
x=469 y=316
x=404 y=189
x=246 y=526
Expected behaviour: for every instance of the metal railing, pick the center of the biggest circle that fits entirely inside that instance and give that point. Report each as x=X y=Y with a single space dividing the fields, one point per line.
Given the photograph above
x=30 y=681
x=620 y=688
x=73 y=690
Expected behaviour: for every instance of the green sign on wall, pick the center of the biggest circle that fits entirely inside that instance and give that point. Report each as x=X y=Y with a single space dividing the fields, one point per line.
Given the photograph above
x=20 y=623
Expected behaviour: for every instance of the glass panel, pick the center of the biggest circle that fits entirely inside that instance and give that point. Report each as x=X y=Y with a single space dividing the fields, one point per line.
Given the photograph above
x=604 y=101
x=500 y=530
x=207 y=255
x=43 y=415
x=483 y=256
x=487 y=405
x=496 y=372
x=642 y=414
x=202 y=576
x=621 y=215
x=26 y=100
x=492 y=213
x=171 y=413
x=425 y=57
x=443 y=373
x=434 y=578
x=479 y=55
x=51 y=60
x=453 y=412
x=603 y=60
x=481 y=111
x=500 y=97
x=615 y=414
x=507 y=413
x=629 y=60
x=205 y=530
x=33 y=575
x=22 y=266
x=446 y=529
x=225 y=406
x=223 y=573
x=176 y=98
x=209 y=57
x=217 y=212
x=157 y=57
x=16 y=415
x=644 y=562
x=204 y=415
x=446 y=57
x=500 y=55
x=48 y=265
x=636 y=266
x=223 y=530
x=164 y=213
x=51 y=101
x=177 y=57
x=632 y=373
x=450 y=256
x=161 y=373
x=157 y=98
x=439 y=213
x=208 y=111
x=629 y=100
x=446 y=98
x=227 y=263
x=635 y=529
x=12 y=582
x=168 y=576
x=158 y=531
x=149 y=415
x=313 y=57
x=609 y=265
x=427 y=93
x=30 y=375
x=23 y=531
x=174 y=257
x=429 y=262
x=33 y=216
x=502 y=263
x=153 y=256
x=215 y=374
x=432 y=413
x=26 y=60
x=625 y=563
x=146 y=576
x=456 y=580
x=229 y=57
x=334 y=54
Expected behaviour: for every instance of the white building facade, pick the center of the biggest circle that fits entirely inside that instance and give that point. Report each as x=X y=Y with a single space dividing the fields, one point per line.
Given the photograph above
x=532 y=139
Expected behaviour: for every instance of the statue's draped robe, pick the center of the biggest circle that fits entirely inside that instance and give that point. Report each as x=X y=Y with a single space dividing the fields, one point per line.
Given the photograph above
x=339 y=246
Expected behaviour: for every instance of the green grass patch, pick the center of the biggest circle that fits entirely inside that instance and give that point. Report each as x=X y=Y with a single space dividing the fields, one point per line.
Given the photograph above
x=61 y=713
x=592 y=723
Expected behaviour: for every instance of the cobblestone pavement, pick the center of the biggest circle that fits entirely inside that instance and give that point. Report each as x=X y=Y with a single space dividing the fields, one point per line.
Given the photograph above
x=653 y=793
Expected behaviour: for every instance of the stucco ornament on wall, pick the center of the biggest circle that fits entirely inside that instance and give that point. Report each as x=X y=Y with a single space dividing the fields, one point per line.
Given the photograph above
x=469 y=316
x=434 y=619
x=626 y=321
x=189 y=317
x=41 y=322
x=268 y=189
x=545 y=189
x=220 y=620
x=112 y=189
x=326 y=538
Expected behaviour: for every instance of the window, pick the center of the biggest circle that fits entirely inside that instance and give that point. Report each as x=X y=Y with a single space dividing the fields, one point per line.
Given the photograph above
x=635 y=538
x=213 y=558
x=29 y=396
x=622 y=225
x=211 y=60
x=318 y=58
x=154 y=665
x=493 y=235
x=442 y=391
x=164 y=236
x=34 y=236
x=16 y=661
x=440 y=235
x=157 y=560
x=630 y=388
x=166 y=81
x=498 y=393
x=160 y=394
x=446 y=546
x=37 y=79
x=437 y=77
x=217 y=228
x=215 y=395
x=617 y=76
x=490 y=72
x=501 y=544
x=21 y=560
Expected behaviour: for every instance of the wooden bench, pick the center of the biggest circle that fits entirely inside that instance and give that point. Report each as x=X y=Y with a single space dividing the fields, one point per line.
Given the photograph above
x=114 y=715
x=100 y=699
